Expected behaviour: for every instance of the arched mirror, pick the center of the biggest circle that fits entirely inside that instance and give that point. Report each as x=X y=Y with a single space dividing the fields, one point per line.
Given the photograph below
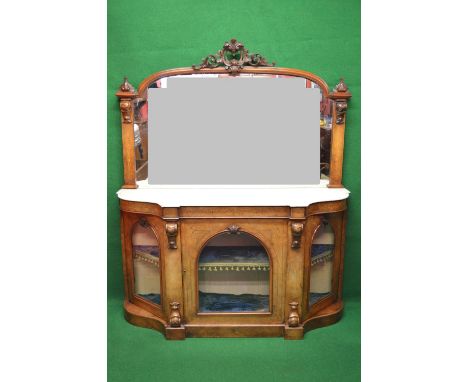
x=146 y=263
x=321 y=263
x=233 y=275
x=141 y=117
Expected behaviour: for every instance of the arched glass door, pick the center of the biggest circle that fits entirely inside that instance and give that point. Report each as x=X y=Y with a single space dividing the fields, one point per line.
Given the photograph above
x=233 y=275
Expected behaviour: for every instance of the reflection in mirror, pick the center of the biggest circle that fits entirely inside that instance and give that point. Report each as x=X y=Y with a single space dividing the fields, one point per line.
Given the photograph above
x=140 y=129
x=321 y=263
x=141 y=121
x=233 y=275
x=146 y=264
x=325 y=137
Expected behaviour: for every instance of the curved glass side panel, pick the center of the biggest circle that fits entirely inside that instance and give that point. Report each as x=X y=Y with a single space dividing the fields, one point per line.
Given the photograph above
x=233 y=275
x=146 y=263
x=321 y=263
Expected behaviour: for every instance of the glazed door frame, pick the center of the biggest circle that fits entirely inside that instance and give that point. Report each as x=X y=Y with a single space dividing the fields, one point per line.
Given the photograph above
x=271 y=233
x=337 y=220
x=128 y=222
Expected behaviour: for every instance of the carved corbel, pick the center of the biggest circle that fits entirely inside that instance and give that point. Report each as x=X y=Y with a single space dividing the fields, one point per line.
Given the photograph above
x=341 y=108
x=125 y=110
x=296 y=230
x=171 y=232
x=293 y=318
x=174 y=317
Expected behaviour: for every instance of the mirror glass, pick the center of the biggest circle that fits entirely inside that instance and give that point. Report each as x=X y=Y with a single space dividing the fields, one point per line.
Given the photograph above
x=321 y=263
x=140 y=129
x=141 y=121
x=146 y=263
x=233 y=275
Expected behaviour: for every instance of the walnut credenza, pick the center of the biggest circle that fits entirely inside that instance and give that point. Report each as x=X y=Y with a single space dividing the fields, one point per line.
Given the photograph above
x=231 y=261
x=287 y=235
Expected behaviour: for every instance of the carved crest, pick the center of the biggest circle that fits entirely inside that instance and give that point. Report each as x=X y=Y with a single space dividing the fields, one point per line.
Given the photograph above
x=233 y=57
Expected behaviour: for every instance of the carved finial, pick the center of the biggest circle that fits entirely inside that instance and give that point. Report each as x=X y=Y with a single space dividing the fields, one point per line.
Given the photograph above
x=171 y=232
x=296 y=230
x=127 y=86
x=293 y=318
x=233 y=57
x=233 y=229
x=174 y=316
x=341 y=87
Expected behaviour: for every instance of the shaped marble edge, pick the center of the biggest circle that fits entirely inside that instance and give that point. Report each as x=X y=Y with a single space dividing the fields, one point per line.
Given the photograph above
x=233 y=195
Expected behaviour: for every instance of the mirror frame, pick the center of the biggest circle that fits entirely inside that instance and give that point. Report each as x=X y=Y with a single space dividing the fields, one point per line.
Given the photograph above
x=339 y=97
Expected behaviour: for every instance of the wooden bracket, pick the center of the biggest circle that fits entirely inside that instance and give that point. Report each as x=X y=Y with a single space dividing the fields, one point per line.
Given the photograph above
x=296 y=230
x=171 y=232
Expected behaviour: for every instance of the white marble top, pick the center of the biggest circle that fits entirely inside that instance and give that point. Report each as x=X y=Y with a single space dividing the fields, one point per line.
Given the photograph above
x=233 y=195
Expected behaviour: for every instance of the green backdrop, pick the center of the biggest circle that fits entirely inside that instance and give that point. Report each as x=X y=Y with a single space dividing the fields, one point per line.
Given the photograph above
x=321 y=36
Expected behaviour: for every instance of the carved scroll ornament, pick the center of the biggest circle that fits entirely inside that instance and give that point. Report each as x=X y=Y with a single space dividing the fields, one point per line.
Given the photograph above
x=171 y=232
x=296 y=230
x=233 y=57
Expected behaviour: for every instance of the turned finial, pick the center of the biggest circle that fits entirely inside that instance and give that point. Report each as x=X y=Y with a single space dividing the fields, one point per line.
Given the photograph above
x=127 y=86
x=341 y=87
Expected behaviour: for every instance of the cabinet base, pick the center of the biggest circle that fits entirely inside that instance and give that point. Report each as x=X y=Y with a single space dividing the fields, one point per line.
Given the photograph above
x=140 y=317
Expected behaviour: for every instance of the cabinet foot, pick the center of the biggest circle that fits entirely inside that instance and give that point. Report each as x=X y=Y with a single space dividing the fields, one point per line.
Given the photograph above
x=175 y=333
x=293 y=333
